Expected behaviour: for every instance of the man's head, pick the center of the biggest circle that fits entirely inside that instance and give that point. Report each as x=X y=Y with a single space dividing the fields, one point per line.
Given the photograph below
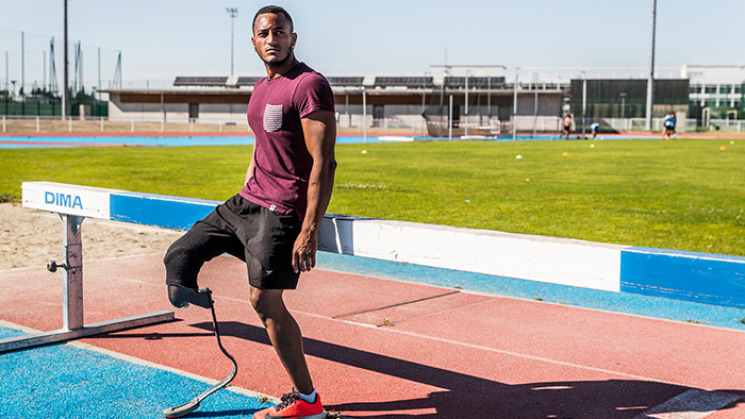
x=276 y=10
x=273 y=36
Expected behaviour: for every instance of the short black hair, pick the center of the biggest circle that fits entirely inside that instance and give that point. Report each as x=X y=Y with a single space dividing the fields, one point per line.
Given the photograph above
x=277 y=10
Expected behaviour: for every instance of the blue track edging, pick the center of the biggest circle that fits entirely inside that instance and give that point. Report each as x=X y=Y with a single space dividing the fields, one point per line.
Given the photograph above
x=687 y=276
x=619 y=302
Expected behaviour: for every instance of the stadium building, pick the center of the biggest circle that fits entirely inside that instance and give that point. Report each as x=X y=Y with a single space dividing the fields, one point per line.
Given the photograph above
x=483 y=98
x=478 y=100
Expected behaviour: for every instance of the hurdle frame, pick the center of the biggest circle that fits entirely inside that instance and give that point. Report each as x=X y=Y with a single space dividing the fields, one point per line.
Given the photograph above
x=67 y=201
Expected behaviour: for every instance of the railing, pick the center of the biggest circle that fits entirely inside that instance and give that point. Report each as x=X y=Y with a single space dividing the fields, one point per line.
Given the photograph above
x=346 y=123
x=71 y=125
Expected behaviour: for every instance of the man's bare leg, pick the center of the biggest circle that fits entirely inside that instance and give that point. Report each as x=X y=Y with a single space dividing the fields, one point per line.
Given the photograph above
x=284 y=333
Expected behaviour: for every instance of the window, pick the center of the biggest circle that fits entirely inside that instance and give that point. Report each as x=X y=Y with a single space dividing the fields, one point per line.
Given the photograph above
x=378 y=115
x=710 y=89
x=193 y=110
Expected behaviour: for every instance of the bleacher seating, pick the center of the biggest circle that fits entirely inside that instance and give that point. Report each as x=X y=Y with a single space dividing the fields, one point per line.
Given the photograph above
x=200 y=81
x=411 y=82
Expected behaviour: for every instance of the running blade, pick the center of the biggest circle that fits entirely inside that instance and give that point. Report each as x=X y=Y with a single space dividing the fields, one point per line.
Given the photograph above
x=183 y=410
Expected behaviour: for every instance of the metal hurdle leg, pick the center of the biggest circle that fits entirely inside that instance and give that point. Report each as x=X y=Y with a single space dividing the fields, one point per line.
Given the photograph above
x=73 y=326
x=72 y=272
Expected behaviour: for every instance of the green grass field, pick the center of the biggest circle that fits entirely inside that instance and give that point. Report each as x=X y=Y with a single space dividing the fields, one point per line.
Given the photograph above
x=683 y=194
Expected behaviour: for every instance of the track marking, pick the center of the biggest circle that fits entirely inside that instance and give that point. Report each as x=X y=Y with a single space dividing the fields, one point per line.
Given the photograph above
x=693 y=404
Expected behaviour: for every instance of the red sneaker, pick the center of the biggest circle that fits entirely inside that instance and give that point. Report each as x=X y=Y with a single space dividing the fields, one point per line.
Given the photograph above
x=293 y=407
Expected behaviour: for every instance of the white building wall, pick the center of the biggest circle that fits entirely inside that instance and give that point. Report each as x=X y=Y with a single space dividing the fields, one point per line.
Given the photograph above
x=175 y=112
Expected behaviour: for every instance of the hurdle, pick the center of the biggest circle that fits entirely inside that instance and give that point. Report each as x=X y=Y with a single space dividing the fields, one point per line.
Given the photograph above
x=74 y=203
x=617 y=269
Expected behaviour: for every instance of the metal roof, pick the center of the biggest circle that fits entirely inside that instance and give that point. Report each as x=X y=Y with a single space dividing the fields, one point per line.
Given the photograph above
x=412 y=82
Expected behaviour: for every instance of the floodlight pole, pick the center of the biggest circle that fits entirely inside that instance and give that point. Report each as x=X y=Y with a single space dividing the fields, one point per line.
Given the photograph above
x=23 y=62
x=364 y=114
x=514 y=108
x=650 y=81
x=424 y=101
x=584 y=103
x=233 y=12
x=535 y=106
x=99 y=71
x=466 y=115
x=65 y=98
x=450 y=119
x=488 y=98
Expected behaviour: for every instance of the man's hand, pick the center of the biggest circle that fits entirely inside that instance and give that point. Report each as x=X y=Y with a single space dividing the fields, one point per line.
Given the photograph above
x=304 y=251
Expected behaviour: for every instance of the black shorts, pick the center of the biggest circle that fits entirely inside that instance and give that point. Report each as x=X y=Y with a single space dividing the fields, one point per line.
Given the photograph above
x=264 y=239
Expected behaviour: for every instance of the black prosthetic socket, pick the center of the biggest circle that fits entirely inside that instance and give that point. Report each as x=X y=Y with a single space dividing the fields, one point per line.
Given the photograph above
x=181 y=296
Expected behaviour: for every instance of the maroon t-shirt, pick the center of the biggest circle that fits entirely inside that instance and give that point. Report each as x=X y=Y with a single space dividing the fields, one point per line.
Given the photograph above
x=282 y=163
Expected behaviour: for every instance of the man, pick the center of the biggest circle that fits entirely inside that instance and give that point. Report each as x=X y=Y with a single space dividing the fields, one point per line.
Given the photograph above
x=595 y=128
x=566 y=125
x=669 y=123
x=273 y=222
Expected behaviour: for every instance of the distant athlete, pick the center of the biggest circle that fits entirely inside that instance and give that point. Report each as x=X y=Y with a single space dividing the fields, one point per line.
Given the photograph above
x=595 y=127
x=669 y=126
x=566 y=127
x=272 y=223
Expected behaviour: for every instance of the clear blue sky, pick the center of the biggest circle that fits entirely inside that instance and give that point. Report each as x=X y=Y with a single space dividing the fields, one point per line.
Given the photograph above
x=161 y=39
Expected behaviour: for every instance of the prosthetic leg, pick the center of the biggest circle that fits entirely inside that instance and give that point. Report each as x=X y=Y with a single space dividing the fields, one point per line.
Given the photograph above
x=181 y=297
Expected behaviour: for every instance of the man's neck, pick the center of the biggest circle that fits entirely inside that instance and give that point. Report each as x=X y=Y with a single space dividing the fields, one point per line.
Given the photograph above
x=281 y=69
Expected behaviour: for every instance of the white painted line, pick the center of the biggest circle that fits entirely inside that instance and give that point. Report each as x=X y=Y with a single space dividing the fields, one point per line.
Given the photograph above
x=693 y=404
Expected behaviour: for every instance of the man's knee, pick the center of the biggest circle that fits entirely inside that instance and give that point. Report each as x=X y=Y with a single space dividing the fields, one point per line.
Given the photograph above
x=182 y=265
x=266 y=303
x=175 y=255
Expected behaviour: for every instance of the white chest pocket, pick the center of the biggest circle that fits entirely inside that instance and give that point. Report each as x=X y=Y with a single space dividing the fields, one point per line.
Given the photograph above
x=272 y=118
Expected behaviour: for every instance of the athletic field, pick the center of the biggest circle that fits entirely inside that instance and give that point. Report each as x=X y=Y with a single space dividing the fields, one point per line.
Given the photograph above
x=685 y=194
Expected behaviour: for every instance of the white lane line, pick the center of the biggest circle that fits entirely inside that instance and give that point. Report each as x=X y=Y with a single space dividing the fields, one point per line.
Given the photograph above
x=693 y=404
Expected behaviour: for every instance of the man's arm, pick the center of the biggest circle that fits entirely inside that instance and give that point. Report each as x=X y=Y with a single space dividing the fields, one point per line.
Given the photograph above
x=319 y=129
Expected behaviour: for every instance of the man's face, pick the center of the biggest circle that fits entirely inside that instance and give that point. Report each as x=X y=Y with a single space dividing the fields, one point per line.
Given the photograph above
x=273 y=39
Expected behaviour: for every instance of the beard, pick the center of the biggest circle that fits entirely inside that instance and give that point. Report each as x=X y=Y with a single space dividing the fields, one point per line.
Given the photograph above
x=278 y=63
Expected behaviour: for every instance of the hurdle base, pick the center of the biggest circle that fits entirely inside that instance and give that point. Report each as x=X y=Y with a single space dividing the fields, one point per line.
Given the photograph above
x=62 y=335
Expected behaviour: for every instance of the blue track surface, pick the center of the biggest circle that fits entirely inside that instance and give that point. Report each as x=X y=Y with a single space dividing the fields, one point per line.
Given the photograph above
x=65 y=381
x=15 y=142
x=143 y=141
x=62 y=381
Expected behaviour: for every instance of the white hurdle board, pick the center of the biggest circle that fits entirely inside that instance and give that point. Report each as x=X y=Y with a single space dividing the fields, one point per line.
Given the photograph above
x=74 y=203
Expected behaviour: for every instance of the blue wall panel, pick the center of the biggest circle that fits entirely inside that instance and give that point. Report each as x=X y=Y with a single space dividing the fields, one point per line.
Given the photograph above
x=688 y=276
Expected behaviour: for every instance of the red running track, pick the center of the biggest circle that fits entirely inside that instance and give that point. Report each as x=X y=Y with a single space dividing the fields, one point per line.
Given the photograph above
x=387 y=349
